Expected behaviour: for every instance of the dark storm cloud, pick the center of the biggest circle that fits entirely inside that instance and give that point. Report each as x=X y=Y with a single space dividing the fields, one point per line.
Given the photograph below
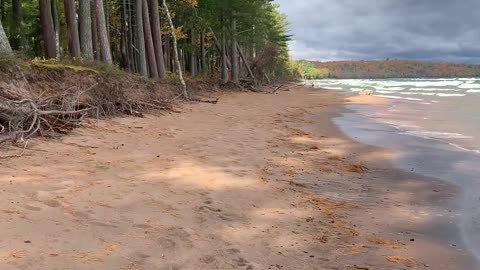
x=433 y=30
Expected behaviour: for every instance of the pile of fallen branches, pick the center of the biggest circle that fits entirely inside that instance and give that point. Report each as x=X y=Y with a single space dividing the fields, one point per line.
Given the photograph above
x=23 y=116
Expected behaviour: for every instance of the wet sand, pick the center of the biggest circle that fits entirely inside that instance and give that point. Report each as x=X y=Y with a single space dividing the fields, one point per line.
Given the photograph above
x=254 y=182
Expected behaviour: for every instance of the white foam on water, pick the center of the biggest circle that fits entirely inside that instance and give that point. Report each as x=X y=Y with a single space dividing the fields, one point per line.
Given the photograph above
x=390 y=88
x=473 y=91
x=432 y=89
x=357 y=89
x=418 y=93
x=469 y=86
x=450 y=95
x=435 y=134
x=396 y=97
x=384 y=92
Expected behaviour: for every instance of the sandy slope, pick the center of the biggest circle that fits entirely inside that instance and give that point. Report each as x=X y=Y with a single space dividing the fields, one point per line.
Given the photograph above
x=254 y=182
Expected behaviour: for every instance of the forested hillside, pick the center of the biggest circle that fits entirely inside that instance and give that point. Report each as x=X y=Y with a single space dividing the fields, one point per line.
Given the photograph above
x=389 y=69
x=235 y=38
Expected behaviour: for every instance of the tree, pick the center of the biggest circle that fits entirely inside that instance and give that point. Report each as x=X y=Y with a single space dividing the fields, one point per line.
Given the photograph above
x=4 y=44
x=48 y=31
x=72 y=27
x=85 y=29
x=105 y=52
x=140 y=38
x=18 y=35
x=150 y=50
x=235 y=67
x=56 y=25
x=175 y=50
x=157 y=38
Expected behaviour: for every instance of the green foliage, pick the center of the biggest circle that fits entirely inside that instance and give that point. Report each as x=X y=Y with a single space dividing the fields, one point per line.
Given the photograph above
x=260 y=27
x=307 y=70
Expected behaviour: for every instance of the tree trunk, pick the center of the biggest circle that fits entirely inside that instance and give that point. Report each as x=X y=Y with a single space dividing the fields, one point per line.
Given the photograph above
x=4 y=44
x=218 y=45
x=123 y=35
x=48 y=32
x=17 y=33
x=56 y=26
x=72 y=27
x=150 y=50
x=203 y=62
x=157 y=38
x=140 y=38
x=242 y=56
x=193 y=65
x=175 y=50
x=235 y=73
x=131 y=53
x=224 y=55
x=94 y=30
x=85 y=27
x=168 y=60
x=105 y=52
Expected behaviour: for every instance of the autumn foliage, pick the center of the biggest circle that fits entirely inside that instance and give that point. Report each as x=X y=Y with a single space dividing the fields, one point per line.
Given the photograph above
x=395 y=69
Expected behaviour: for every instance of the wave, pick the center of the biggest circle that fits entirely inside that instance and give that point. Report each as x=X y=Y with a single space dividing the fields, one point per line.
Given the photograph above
x=436 y=134
x=469 y=86
x=433 y=89
x=473 y=91
x=396 y=97
x=418 y=93
x=450 y=95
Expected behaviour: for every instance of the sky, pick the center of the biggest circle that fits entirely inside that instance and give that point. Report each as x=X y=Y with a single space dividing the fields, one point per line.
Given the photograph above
x=426 y=30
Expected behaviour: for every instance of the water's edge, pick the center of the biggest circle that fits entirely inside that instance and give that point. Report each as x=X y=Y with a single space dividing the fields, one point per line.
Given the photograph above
x=430 y=158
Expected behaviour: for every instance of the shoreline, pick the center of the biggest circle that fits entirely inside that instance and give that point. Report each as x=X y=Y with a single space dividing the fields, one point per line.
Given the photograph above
x=254 y=182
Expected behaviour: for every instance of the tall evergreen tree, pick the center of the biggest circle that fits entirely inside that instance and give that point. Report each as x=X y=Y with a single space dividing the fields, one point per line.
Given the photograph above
x=140 y=38
x=72 y=27
x=157 y=38
x=85 y=29
x=105 y=51
x=48 y=31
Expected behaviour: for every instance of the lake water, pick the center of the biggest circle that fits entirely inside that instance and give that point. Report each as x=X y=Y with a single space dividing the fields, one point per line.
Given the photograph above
x=434 y=125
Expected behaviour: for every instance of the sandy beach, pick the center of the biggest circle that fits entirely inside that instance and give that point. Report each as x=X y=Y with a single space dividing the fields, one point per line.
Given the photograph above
x=257 y=181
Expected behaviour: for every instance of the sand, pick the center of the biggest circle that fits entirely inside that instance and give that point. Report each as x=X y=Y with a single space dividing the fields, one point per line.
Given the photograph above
x=256 y=181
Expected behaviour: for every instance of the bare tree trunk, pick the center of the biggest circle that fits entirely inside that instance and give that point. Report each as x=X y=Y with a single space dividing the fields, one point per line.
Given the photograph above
x=235 y=75
x=203 y=63
x=85 y=27
x=56 y=25
x=242 y=56
x=72 y=27
x=218 y=45
x=193 y=65
x=105 y=51
x=4 y=44
x=175 y=50
x=157 y=38
x=123 y=35
x=48 y=32
x=140 y=38
x=19 y=41
x=94 y=31
x=131 y=53
x=168 y=60
x=150 y=50
x=224 y=55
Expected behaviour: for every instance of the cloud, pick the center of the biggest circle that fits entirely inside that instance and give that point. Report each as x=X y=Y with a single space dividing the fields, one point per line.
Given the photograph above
x=431 y=30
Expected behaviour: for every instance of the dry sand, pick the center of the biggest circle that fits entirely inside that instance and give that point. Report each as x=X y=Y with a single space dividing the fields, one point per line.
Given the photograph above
x=256 y=181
